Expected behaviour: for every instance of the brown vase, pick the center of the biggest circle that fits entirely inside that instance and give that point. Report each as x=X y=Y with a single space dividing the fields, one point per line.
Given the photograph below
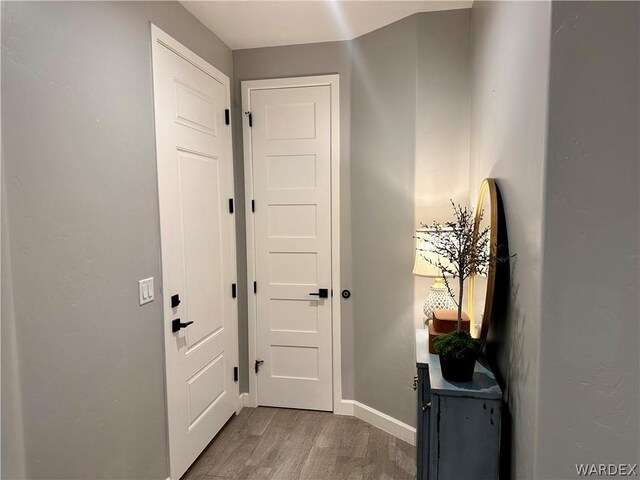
x=458 y=369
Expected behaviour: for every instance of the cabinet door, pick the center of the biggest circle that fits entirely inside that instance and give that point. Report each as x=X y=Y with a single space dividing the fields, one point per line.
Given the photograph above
x=424 y=421
x=468 y=438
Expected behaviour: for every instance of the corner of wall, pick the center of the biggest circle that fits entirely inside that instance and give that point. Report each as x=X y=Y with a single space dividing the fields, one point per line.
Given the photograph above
x=589 y=403
x=509 y=95
x=12 y=453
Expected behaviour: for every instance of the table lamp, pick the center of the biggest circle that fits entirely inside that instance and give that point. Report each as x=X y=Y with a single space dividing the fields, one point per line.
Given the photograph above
x=425 y=266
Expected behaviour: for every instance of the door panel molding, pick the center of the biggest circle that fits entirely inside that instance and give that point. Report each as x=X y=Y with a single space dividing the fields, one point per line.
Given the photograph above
x=333 y=81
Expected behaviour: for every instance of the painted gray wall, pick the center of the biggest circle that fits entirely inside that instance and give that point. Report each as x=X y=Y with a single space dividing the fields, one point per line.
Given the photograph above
x=83 y=227
x=442 y=113
x=383 y=99
x=509 y=90
x=409 y=156
x=589 y=353
x=293 y=61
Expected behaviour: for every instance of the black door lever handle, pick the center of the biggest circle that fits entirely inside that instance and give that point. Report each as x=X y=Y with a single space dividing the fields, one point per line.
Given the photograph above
x=322 y=293
x=176 y=325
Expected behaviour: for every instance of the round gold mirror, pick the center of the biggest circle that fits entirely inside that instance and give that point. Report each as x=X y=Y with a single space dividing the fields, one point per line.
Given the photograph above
x=481 y=288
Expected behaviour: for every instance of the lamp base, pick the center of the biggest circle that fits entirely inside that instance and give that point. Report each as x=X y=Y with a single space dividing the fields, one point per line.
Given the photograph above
x=438 y=299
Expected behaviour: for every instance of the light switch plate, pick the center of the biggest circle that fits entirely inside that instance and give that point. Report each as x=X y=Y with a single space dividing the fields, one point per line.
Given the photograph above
x=145 y=289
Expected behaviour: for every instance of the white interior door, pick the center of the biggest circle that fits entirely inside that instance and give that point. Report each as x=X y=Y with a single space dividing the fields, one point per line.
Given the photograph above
x=290 y=140
x=195 y=183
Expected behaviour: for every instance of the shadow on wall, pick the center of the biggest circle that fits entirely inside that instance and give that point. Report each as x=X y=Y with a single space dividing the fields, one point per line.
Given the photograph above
x=509 y=365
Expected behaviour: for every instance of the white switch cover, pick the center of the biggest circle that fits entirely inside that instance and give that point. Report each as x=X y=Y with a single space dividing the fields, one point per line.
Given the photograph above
x=145 y=288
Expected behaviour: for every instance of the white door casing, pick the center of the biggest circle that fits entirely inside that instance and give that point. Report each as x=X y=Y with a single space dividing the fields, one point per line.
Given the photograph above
x=292 y=175
x=195 y=183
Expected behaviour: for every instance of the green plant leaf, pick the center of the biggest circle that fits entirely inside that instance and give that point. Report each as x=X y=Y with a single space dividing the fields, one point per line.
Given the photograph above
x=457 y=345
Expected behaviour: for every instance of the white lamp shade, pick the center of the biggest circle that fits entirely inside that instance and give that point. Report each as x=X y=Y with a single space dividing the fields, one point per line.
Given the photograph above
x=426 y=258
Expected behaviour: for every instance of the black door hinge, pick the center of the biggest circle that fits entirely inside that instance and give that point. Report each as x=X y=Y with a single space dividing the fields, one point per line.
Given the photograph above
x=233 y=290
x=255 y=287
x=253 y=206
x=235 y=374
x=257 y=365
x=227 y=117
x=231 y=205
x=248 y=114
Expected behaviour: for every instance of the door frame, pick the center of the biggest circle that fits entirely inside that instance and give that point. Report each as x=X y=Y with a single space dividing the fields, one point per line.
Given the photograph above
x=160 y=39
x=247 y=86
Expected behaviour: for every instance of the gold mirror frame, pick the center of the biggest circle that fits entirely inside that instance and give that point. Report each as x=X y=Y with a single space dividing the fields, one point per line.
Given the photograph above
x=488 y=186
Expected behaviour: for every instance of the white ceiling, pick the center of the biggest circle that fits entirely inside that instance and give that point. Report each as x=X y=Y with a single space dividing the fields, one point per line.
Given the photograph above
x=250 y=24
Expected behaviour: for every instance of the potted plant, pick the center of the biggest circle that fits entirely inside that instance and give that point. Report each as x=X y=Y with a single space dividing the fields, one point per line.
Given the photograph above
x=461 y=252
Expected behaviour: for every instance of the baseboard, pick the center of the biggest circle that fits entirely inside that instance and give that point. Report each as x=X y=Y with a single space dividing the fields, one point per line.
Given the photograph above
x=345 y=407
x=242 y=402
x=379 y=420
x=365 y=413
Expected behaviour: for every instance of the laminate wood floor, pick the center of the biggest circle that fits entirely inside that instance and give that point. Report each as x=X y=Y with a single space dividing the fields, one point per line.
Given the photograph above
x=281 y=444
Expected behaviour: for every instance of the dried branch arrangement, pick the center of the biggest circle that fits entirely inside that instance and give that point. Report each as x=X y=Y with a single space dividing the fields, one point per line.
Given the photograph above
x=467 y=251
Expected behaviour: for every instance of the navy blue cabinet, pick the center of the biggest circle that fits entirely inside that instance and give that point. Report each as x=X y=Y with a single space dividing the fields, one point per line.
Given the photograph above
x=458 y=432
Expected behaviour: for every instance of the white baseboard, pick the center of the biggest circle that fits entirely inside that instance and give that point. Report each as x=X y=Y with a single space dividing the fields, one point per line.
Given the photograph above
x=365 y=413
x=250 y=400
x=345 y=407
x=243 y=399
x=379 y=420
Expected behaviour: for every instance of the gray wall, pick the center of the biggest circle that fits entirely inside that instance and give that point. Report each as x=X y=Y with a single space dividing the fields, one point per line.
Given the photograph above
x=292 y=61
x=509 y=89
x=83 y=227
x=442 y=113
x=555 y=118
x=383 y=98
x=589 y=353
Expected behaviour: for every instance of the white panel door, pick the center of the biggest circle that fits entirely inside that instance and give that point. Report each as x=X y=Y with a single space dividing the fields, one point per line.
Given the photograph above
x=291 y=164
x=195 y=183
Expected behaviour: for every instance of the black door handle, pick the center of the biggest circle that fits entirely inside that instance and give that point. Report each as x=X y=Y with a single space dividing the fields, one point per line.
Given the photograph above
x=322 y=293
x=176 y=325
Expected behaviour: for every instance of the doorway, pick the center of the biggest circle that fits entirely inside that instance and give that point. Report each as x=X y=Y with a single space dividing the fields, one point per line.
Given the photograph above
x=291 y=157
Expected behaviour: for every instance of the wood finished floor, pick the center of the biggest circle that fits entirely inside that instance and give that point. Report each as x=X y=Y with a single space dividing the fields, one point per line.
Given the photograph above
x=281 y=444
